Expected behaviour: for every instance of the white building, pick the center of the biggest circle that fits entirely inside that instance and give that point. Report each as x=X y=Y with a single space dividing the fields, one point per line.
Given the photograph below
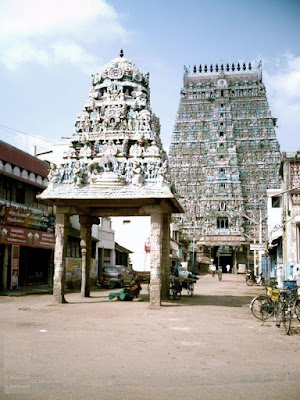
x=134 y=234
x=275 y=231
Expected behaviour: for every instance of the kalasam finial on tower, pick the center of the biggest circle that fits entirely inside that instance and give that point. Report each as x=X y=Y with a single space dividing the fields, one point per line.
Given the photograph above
x=121 y=53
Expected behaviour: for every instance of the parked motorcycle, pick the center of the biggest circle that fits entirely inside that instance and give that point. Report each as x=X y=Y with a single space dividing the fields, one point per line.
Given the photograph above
x=254 y=280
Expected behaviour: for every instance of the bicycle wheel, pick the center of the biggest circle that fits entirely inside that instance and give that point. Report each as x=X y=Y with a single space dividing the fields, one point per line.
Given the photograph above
x=262 y=307
x=297 y=309
x=176 y=294
x=176 y=290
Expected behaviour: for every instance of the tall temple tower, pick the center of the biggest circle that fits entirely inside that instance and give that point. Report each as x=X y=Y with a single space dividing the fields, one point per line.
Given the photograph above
x=224 y=155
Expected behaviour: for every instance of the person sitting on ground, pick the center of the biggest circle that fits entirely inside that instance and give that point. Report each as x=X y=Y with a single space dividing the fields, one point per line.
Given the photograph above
x=135 y=287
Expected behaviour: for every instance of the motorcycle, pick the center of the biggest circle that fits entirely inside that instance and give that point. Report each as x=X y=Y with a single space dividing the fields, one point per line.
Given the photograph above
x=253 y=280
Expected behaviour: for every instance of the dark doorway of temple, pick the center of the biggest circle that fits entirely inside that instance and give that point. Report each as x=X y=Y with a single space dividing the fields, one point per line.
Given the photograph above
x=223 y=256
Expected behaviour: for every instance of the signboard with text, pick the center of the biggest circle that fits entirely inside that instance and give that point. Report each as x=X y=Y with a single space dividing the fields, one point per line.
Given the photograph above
x=257 y=247
x=26 y=237
x=26 y=218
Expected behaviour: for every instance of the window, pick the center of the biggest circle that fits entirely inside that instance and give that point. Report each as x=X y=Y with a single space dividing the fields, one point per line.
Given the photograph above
x=222 y=223
x=222 y=93
x=222 y=185
x=126 y=221
x=106 y=256
x=7 y=189
x=276 y=203
x=221 y=134
x=73 y=247
x=20 y=193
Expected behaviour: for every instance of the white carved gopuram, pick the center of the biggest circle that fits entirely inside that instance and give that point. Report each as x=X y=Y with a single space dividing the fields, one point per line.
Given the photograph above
x=115 y=166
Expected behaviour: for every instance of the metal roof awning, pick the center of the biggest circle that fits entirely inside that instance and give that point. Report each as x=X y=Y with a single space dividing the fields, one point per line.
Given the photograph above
x=122 y=249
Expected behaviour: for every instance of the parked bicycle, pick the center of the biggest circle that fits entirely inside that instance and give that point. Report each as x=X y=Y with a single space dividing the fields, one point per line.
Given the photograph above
x=283 y=304
x=287 y=309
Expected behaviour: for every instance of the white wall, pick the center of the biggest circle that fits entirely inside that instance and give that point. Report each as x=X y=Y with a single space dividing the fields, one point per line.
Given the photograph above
x=274 y=215
x=133 y=235
x=103 y=232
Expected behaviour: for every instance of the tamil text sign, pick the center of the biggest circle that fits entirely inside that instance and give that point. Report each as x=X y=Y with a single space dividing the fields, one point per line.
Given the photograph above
x=26 y=237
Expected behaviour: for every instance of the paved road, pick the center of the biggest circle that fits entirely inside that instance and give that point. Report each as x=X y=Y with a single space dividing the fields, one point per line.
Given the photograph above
x=205 y=347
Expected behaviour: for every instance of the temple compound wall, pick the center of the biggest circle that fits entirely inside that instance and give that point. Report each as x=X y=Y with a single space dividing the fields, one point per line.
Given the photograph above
x=224 y=155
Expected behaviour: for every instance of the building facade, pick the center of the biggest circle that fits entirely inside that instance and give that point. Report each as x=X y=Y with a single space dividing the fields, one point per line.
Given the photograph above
x=26 y=223
x=290 y=170
x=224 y=155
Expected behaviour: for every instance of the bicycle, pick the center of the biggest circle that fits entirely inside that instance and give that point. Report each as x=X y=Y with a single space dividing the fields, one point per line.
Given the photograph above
x=263 y=306
x=282 y=304
x=287 y=307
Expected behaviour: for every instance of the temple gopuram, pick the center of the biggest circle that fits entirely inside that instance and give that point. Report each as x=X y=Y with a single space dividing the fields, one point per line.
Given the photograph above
x=115 y=166
x=224 y=155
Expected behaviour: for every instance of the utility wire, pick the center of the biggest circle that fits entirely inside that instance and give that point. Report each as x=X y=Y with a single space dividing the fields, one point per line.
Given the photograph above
x=26 y=134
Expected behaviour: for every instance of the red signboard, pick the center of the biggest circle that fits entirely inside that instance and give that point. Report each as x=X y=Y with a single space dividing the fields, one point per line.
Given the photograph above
x=26 y=237
x=147 y=246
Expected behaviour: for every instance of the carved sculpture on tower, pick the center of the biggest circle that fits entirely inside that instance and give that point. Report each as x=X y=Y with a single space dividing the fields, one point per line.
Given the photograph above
x=116 y=140
x=224 y=155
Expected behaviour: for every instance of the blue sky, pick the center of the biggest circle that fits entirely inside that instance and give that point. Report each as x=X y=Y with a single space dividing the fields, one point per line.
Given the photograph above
x=49 y=49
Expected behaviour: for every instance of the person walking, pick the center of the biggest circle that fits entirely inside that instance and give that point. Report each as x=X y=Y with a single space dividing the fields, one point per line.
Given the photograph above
x=228 y=268
x=220 y=273
x=213 y=270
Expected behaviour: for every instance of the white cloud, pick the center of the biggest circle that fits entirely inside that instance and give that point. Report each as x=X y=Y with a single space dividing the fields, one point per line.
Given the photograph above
x=282 y=81
x=51 y=31
x=22 y=52
x=75 y=55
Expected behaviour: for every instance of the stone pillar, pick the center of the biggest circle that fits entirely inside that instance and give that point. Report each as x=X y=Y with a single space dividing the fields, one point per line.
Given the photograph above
x=5 y=268
x=234 y=268
x=61 y=225
x=155 y=254
x=85 y=243
x=166 y=268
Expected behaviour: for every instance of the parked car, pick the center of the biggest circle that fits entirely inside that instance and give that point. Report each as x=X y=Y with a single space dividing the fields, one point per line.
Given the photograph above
x=117 y=275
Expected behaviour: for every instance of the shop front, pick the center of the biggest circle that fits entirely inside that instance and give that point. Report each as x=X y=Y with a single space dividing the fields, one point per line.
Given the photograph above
x=26 y=255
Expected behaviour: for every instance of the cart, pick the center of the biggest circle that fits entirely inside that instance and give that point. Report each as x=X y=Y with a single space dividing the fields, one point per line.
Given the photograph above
x=177 y=284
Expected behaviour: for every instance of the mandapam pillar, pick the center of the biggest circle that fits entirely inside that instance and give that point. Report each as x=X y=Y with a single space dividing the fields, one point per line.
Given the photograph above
x=85 y=243
x=61 y=226
x=156 y=258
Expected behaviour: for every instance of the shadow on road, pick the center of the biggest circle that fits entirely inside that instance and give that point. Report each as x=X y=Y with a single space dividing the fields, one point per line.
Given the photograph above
x=211 y=300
